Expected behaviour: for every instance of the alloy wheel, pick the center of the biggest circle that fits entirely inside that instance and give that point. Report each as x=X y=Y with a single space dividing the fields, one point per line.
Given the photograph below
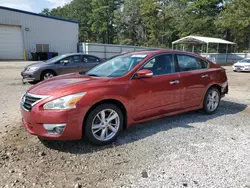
x=105 y=125
x=48 y=75
x=213 y=100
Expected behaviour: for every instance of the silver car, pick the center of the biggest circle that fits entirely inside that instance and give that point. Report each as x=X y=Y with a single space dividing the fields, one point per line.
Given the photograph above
x=62 y=64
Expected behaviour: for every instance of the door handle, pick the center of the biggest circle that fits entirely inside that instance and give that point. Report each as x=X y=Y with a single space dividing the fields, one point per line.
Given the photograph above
x=174 y=82
x=204 y=76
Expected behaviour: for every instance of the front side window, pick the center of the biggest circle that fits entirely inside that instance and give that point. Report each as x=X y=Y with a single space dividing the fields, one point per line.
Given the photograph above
x=160 y=65
x=117 y=67
x=55 y=59
x=188 y=63
x=67 y=59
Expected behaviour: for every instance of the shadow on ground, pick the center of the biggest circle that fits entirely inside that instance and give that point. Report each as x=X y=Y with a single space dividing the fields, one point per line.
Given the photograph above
x=141 y=131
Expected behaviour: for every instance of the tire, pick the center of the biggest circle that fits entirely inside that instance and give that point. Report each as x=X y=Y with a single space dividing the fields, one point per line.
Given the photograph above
x=33 y=82
x=235 y=70
x=47 y=74
x=211 y=101
x=98 y=130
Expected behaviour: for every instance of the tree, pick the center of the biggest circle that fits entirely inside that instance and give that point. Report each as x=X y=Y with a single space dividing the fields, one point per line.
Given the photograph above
x=46 y=11
x=235 y=20
x=129 y=24
x=198 y=17
x=157 y=23
x=102 y=19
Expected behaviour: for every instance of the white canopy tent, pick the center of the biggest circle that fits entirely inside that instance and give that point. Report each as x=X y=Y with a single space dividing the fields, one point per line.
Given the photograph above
x=198 y=40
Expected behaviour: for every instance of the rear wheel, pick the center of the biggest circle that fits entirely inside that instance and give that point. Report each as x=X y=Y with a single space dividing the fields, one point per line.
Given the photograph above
x=211 y=101
x=47 y=75
x=104 y=124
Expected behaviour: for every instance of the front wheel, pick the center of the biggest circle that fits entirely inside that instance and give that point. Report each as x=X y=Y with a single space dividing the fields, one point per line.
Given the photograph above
x=47 y=75
x=103 y=124
x=211 y=101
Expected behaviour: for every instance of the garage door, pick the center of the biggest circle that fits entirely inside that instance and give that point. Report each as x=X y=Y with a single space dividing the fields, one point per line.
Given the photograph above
x=11 y=42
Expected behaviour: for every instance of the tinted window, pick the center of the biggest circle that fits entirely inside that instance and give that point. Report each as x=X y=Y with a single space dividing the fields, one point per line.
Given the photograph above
x=71 y=59
x=76 y=59
x=204 y=64
x=188 y=63
x=162 y=64
x=90 y=59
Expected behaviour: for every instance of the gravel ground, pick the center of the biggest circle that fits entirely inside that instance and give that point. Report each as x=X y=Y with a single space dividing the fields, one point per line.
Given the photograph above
x=187 y=150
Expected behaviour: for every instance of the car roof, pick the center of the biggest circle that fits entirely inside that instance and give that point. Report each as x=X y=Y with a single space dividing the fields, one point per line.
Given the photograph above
x=69 y=54
x=155 y=52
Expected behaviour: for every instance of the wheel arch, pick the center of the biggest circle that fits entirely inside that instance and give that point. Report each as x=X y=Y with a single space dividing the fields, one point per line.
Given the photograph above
x=116 y=102
x=216 y=86
x=47 y=70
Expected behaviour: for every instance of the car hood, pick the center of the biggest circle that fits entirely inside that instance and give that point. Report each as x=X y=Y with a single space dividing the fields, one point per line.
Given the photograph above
x=67 y=84
x=37 y=64
x=242 y=64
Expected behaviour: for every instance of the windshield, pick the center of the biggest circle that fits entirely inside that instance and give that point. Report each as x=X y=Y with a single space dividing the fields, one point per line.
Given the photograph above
x=116 y=67
x=54 y=59
x=245 y=61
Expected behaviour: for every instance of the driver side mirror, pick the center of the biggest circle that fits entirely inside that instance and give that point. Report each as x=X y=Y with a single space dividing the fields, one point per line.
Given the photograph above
x=144 y=73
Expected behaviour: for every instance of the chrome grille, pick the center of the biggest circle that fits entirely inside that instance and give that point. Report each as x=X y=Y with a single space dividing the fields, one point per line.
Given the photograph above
x=29 y=100
x=237 y=66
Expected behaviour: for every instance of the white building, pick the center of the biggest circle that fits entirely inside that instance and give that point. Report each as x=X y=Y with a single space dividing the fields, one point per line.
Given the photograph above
x=23 y=32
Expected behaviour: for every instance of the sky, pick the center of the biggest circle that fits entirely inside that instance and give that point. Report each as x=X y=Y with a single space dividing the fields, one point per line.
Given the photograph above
x=33 y=5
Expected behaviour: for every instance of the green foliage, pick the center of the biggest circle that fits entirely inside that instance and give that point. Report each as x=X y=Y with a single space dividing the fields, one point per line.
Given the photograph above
x=157 y=22
x=102 y=19
x=235 y=20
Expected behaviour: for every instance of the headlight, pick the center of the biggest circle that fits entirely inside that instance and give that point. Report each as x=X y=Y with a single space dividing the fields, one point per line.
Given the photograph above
x=64 y=103
x=32 y=68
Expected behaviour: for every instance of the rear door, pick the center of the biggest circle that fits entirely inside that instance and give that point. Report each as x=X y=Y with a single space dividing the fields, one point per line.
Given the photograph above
x=88 y=62
x=195 y=78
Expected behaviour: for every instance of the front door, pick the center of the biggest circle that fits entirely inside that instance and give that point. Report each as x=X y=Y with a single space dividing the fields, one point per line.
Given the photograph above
x=157 y=95
x=70 y=64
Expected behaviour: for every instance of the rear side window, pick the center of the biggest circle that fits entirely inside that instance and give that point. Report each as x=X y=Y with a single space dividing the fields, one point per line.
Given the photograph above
x=204 y=64
x=76 y=59
x=188 y=63
x=90 y=59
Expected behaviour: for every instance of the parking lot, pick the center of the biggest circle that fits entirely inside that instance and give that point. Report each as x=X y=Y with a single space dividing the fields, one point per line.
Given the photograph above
x=187 y=150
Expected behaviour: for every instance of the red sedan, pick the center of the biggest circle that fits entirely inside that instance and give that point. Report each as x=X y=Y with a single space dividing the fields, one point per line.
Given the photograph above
x=131 y=88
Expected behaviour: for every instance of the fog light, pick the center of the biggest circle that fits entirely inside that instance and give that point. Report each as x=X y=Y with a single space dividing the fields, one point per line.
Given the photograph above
x=54 y=128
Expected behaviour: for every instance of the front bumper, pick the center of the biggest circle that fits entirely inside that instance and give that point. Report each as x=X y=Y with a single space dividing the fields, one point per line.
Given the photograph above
x=34 y=120
x=241 y=69
x=30 y=76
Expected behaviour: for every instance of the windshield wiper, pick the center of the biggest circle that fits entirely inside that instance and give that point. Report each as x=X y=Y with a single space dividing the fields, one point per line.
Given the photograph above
x=94 y=75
